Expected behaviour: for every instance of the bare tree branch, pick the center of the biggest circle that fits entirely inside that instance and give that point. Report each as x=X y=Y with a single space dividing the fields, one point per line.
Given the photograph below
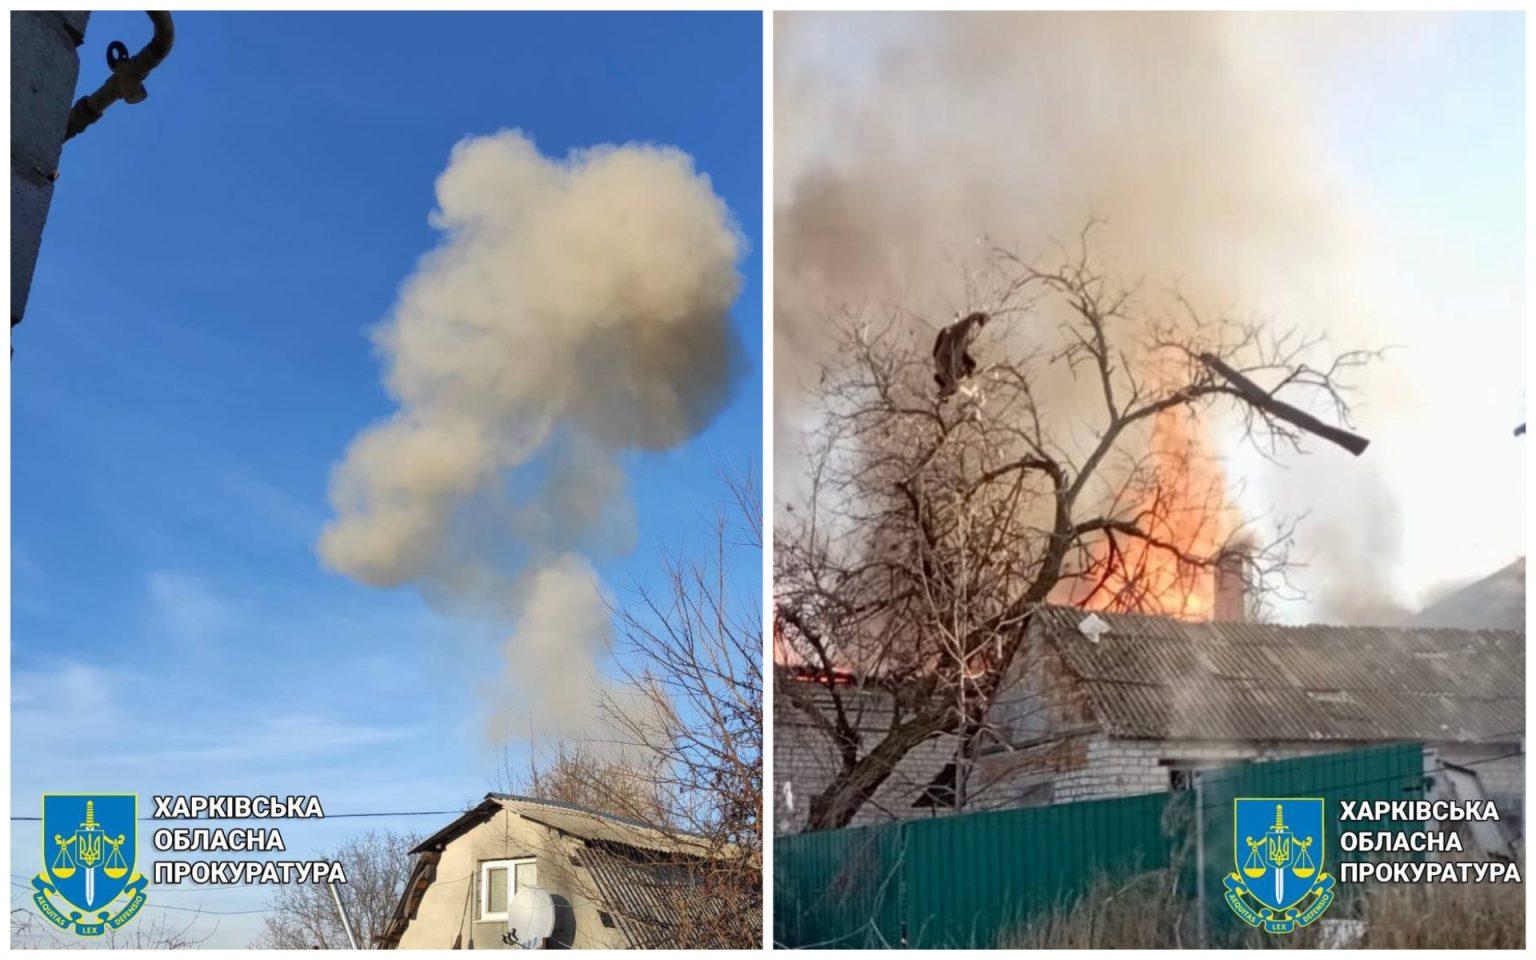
x=1070 y=467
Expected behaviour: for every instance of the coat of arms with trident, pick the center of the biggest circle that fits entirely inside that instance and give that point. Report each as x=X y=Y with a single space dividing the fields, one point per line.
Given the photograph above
x=1278 y=853
x=88 y=842
x=88 y=852
x=1276 y=850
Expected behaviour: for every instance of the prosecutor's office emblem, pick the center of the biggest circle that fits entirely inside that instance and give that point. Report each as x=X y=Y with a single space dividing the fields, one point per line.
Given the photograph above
x=1277 y=848
x=90 y=843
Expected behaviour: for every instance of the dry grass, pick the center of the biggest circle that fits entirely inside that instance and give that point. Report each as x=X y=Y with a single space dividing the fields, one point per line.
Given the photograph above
x=1150 y=911
x=1147 y=911
x=1446 y=915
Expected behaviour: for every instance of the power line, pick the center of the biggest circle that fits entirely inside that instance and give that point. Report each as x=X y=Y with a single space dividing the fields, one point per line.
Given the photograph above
x=212 y=913
x=328 y=816
x=166 y=906
x=188 y=887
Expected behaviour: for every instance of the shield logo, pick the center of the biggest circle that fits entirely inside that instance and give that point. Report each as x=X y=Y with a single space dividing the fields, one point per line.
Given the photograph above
x=1278 y=846
x=89 y=847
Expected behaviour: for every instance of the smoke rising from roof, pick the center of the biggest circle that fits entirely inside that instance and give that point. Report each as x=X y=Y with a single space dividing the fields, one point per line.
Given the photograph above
x=575 y=308
x=909 y=145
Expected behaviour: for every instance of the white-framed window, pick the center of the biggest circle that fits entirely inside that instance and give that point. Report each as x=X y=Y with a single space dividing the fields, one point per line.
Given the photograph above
x=500 y=880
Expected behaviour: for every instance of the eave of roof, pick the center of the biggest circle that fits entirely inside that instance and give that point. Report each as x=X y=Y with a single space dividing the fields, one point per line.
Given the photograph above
x=466 y=822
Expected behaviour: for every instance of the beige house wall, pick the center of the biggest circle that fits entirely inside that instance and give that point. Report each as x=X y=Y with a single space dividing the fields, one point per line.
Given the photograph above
x=450 y=908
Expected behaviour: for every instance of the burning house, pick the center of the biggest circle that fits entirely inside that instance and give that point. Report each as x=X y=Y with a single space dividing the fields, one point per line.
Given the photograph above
x=1110 y=704
x=1100 y=703
x=1138 y=706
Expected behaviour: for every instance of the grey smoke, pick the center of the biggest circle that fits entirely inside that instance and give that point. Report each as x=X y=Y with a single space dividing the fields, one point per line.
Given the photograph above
x=906 y=145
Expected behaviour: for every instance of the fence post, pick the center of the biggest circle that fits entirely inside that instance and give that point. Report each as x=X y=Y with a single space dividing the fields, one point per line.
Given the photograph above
x=901 y=880
x=1200 y=855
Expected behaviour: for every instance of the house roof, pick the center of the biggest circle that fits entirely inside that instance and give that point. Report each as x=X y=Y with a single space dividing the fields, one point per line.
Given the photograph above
x=627 y=858
x=1158 y=678
x=567 y=818
x=656 y=900
x=1496 y=602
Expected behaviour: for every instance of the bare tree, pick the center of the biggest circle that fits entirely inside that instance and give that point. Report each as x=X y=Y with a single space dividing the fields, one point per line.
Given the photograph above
x=685 y=717
x=304 y=915
x=694 y=649
x=583 y=777
x=154 y=931
x=1066 y=468
x=163 y=933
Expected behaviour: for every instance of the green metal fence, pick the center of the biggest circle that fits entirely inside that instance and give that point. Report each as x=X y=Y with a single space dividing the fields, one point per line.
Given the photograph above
x=1393 y=772
x=969 y=880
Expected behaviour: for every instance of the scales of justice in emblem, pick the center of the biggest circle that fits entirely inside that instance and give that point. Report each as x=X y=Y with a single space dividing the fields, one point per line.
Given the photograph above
x=88 y=864
x=1278 y=849
x=89 y=847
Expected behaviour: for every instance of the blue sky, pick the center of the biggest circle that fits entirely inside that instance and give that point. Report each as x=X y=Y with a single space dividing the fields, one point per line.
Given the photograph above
x=194 y=359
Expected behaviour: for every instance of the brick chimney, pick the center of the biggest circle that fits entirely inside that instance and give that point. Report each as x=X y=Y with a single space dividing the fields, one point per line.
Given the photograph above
x=1232 y=585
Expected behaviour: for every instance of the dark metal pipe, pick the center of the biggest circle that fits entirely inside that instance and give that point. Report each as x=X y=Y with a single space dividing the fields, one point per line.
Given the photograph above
x=128 y=73
x=1257 y=396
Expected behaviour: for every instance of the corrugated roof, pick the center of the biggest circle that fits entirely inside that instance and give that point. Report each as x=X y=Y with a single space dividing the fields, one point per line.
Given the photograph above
x=1157 y=678
x=659 y=901
x=591 y=825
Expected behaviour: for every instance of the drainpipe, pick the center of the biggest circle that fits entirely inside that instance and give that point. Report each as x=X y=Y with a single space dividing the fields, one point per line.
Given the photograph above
x=341 y=913
x=128 y=73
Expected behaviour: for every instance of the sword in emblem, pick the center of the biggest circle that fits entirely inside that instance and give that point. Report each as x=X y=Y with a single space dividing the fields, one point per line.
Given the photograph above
x=88 y=849
x=1279 y=854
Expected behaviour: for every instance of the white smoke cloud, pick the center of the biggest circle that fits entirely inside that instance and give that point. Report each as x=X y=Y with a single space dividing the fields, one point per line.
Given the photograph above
x=552 y=653
x=574 y=308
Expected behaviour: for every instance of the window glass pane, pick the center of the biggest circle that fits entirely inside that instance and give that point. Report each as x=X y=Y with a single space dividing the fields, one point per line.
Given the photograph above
x=527 y=876
x=496 y=882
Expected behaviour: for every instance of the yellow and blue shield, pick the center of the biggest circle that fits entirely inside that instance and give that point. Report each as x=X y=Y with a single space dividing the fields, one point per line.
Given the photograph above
x=1277 y=850
x=90 y=845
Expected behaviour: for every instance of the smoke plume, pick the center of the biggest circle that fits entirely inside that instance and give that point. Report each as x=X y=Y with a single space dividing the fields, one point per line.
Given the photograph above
x=908 y=145
x=573 y=309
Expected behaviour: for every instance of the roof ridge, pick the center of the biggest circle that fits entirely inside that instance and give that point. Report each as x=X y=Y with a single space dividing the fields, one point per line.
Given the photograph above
x=577 y=808
x=1113 y=615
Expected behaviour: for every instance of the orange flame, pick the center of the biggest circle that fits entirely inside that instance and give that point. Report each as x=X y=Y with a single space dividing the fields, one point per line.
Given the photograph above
x=1177 y=496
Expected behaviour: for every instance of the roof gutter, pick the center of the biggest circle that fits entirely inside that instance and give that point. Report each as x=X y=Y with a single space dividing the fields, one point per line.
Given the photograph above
x=128 y=73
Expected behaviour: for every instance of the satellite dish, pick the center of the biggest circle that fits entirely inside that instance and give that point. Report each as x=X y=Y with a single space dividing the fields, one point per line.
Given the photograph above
x=530 y=917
